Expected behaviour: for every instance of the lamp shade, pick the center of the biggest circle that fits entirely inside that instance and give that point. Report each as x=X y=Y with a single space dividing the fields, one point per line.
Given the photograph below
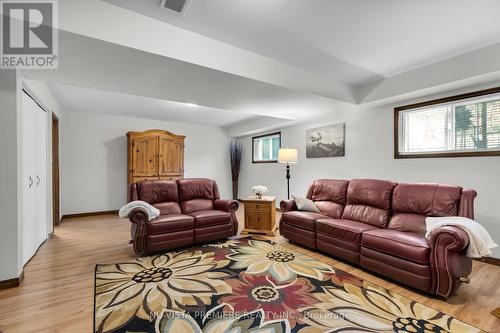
x=287 y=155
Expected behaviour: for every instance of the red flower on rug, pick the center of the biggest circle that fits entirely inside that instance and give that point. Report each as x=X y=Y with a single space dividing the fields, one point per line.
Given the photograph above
x=259 y=292
x=340 y=278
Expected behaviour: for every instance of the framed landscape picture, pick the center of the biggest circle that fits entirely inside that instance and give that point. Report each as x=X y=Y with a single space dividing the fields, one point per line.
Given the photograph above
x=326 y=141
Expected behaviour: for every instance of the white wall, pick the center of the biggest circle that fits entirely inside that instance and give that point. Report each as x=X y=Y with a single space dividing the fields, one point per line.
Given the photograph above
x=10 y=235
x=369 y=154
x=94 y=158
x=44 y=96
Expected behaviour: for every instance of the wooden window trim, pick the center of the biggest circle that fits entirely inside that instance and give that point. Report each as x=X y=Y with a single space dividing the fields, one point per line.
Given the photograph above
x=262 y=136
x=444 y=100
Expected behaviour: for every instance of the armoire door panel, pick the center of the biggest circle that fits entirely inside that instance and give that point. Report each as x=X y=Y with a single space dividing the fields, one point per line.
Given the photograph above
x=145 y=156
x=171 y=157
x=154 y=154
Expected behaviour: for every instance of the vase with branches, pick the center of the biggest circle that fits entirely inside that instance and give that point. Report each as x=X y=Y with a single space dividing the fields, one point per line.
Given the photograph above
x=236 y=153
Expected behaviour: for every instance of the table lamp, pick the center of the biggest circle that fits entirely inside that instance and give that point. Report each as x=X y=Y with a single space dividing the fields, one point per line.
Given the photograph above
x=287 y=156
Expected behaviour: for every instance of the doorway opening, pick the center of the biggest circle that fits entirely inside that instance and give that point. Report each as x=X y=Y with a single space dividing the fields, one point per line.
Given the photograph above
x=56 y=209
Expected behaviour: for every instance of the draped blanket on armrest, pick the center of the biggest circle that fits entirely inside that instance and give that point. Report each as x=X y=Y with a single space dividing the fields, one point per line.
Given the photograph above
x=128 y=208
x=480 y=241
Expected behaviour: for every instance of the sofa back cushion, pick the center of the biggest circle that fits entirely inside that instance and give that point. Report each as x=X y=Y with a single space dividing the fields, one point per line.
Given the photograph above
x=197 y=194
x=412 y=203
x=329 y=195
x=369 y=201
x=162 y=194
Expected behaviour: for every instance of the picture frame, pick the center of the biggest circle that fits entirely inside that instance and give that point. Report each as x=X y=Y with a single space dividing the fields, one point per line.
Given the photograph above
x=326 y=141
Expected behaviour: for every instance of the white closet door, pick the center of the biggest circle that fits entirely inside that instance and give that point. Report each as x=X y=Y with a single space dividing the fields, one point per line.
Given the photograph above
x=40 y=177
x=34 y=164
x=28 y=121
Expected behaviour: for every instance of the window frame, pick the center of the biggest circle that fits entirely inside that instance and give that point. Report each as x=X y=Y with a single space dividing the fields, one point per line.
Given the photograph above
x=445 y=100
x=263 y=136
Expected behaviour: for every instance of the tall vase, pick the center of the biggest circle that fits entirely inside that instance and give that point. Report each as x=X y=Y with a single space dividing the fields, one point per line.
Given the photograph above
x=235 y=189
x=236 y=153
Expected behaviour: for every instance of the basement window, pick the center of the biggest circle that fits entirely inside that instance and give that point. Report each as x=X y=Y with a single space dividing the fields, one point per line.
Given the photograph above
x=265 y=148
x=459 y=126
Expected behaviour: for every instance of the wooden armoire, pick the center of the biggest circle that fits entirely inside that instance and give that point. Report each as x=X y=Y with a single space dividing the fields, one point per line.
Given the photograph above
x=155 y=155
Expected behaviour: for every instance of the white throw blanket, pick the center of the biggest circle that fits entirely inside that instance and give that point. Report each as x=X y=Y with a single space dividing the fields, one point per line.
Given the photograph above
x=152 y=211
x=480 y=241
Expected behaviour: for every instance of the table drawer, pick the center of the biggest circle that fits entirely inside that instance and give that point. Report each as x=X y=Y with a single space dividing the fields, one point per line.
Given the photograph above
x=258 y=207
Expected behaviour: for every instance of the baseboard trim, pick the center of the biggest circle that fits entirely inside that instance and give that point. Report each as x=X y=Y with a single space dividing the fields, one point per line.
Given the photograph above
x=490 y=260
x=106 y=212
x=12 y=283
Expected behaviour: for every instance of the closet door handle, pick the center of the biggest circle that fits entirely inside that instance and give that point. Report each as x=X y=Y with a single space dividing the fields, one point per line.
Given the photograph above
x=30 y=182
x=37 y=180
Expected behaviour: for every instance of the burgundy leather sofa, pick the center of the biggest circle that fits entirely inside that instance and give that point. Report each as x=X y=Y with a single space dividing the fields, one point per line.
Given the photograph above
x=380 y=225
x=191 y=213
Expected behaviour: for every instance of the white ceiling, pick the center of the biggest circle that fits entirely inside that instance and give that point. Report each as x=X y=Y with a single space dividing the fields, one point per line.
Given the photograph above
x=253 y=65
x=73 y=98
x=354 y=41
x=95 y=64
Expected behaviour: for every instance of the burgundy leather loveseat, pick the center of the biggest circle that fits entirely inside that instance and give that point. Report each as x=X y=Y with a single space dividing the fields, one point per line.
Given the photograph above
x=380 y=225
x=191 y=213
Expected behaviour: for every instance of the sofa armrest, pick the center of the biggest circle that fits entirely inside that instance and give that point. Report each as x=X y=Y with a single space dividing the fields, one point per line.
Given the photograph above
x=138 y=215
x=466 y=205
x=449 y=264
x=288 y=205
x=226 y=205
x=132 y=193
x=455 y=238
x=230 y=206
x=138 y=231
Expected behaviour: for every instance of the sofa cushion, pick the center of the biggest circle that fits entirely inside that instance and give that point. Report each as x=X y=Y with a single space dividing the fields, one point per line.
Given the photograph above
x=343 y=229
x=212 y=233
x=171 y=240
x=206 y=218
x=169 y=223
x=414 y=274
x=300 y=219
x=305 y=205
x=369 y=201
x=329 y=195
x=197 y=194
x=157 y=191
x=299 y=235
x=412 y=203
x=196 y=205
x=408 y=245
x=197 y=188
x=167 y=208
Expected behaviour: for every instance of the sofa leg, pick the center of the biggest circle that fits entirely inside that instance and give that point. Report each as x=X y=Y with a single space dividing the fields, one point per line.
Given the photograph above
x=465 y=279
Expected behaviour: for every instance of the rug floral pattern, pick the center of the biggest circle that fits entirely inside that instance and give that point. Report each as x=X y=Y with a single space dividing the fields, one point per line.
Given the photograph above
x=248 y=285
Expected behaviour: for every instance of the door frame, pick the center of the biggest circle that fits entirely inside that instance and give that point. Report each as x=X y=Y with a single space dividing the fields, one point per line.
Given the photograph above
x=56 y=203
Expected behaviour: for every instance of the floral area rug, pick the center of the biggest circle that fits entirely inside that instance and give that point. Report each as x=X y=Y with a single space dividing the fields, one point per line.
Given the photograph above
x=247 y=285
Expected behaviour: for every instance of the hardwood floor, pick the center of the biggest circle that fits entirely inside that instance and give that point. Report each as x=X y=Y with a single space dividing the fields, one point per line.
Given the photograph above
x=57 y=292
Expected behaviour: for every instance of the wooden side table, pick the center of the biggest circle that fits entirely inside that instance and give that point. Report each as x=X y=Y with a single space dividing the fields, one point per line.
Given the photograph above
x=260 y=215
